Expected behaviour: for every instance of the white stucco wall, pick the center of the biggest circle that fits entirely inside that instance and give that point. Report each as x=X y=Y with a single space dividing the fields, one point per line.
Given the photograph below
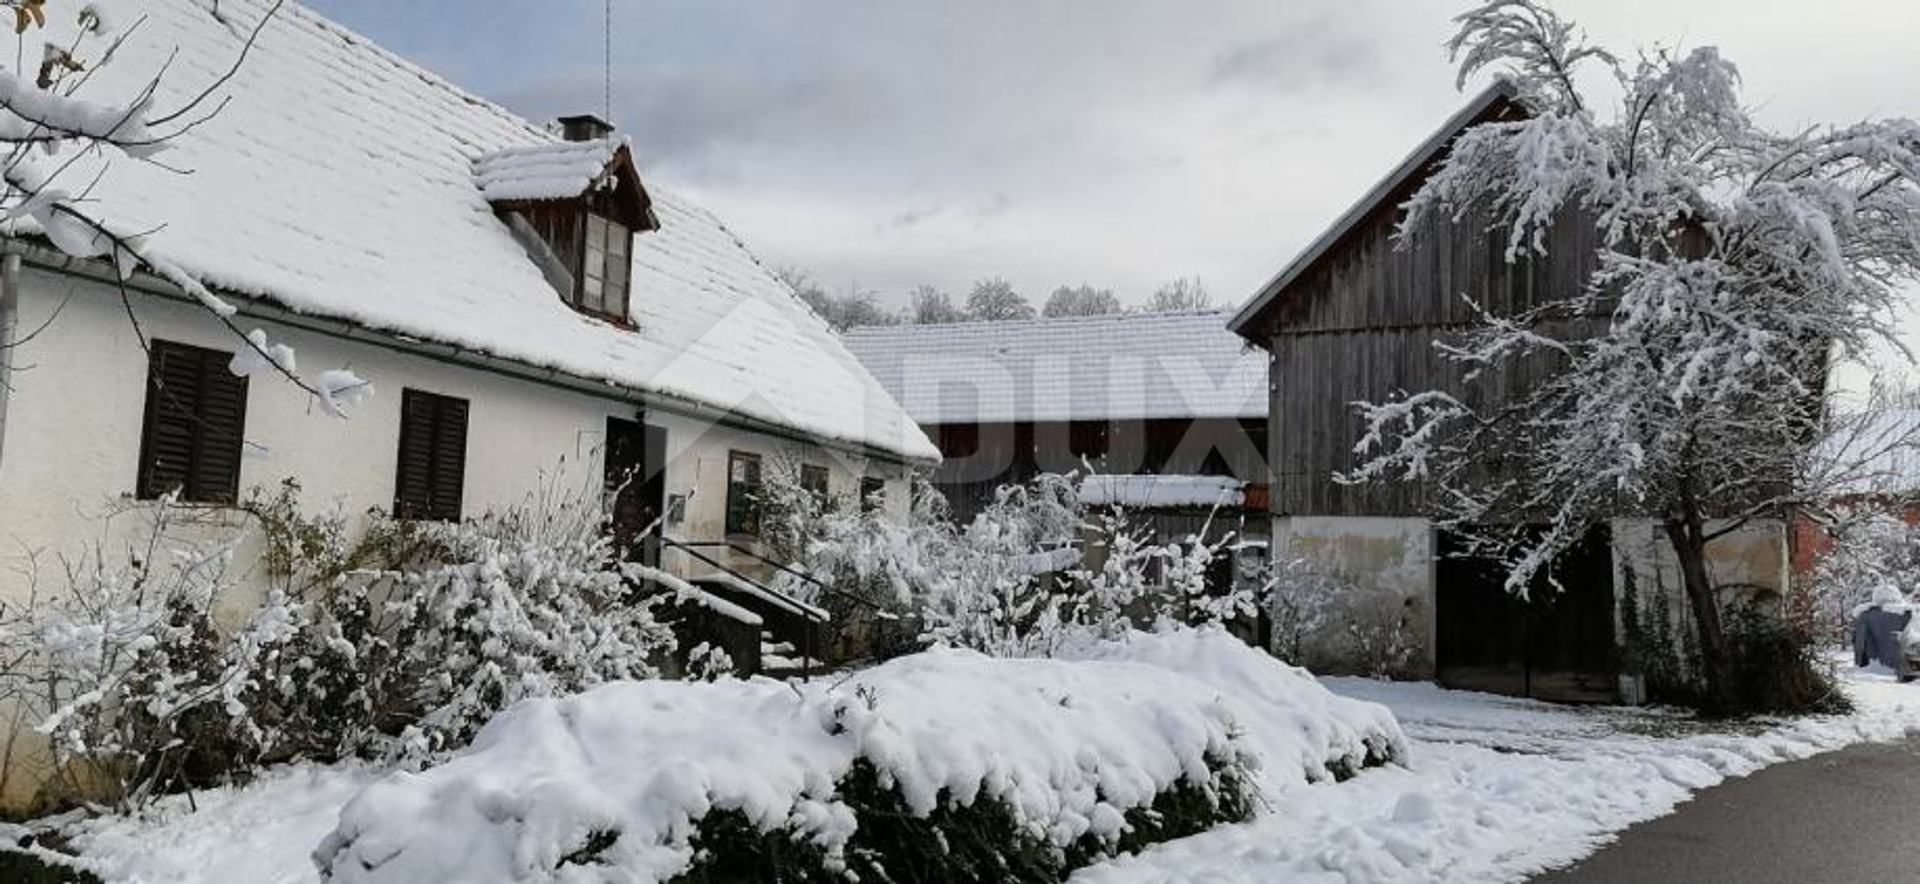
x=1389 y=559
x=73 y=434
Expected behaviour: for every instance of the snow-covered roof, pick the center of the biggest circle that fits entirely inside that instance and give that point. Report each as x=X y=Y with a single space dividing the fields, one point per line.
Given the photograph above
x=1129 y=366
x=1493 y=96
x=340 y=181
x=559 y=171
x=1158 y=491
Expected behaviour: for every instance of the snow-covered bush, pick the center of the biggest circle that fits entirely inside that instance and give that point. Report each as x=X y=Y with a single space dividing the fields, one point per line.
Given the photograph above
x=874 y=566
x=1871 y=547
x=1381 y=631
x=1004 y=594
x=138 y=687
x=1194 y=593
x=946 y=765
x=399 y=639
x=519 y=603
x=1304 y=604
x=1115 y=590
x=1011 y=582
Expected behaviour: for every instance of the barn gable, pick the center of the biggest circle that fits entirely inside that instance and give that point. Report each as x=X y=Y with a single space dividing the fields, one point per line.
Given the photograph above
x=1355 y=319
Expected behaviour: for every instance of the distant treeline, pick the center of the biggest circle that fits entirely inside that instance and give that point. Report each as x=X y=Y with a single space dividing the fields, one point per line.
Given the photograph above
x=991 y=298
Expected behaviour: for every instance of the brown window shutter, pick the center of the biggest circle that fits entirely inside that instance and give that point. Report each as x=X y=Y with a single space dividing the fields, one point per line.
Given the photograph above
x=431 y=477
x=194 y=426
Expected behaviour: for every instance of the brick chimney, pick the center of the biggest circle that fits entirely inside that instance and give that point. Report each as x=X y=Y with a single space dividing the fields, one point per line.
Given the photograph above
x=584 y=127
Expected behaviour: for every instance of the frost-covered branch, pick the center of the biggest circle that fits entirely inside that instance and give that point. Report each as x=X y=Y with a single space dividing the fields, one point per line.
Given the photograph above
x=46 y=130
x=1686 y=380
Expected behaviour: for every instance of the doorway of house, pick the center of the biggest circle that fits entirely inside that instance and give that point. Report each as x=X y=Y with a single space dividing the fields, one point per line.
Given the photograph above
x=636 y=479
x=1556 y=644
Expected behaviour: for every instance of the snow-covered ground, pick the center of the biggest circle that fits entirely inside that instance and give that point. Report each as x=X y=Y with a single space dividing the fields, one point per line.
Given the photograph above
x=1499 y=788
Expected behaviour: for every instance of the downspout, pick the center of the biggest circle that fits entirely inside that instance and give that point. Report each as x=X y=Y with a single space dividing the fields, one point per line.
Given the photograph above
x=9 y=320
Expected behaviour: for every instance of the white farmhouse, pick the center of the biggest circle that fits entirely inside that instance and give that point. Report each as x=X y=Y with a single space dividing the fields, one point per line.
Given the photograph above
x=518 y=299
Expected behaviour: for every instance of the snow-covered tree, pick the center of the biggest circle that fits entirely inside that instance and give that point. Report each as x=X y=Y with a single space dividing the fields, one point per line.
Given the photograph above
x=1872 y=547
x=59 y=139
x=994 y=299
x=1688 y=378
x=1080 y=300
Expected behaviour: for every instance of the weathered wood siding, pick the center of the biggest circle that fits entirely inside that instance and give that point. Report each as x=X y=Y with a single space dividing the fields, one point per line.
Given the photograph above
x=1361 y=326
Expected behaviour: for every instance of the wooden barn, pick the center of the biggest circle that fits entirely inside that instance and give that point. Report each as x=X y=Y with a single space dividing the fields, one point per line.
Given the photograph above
x=1355 y=318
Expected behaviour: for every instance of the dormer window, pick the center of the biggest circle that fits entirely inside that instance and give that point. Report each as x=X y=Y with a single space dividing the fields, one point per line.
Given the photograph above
x=609 y=261
x=575 y=206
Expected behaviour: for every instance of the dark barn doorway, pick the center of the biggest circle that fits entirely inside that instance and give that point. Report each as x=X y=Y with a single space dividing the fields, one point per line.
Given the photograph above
x=636 y=476
x=1553 y=645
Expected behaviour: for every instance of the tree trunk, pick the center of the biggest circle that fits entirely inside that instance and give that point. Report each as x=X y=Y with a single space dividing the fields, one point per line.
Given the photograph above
x=1687 y=535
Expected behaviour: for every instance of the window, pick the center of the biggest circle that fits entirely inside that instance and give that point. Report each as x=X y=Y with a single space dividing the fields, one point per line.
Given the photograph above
x=191 y=434
x=433 y=457
x=604 y=268
x=873 y=493
x=743 y=491
x=813 y=480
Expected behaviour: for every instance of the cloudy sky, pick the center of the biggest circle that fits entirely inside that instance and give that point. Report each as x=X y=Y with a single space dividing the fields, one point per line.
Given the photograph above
x=1116 y=142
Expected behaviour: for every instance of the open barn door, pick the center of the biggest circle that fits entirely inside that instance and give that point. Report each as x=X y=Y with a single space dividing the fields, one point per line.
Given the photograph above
x=1553 y=645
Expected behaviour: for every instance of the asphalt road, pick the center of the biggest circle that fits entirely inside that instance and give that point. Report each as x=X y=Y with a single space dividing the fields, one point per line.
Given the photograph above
x=1844 y=817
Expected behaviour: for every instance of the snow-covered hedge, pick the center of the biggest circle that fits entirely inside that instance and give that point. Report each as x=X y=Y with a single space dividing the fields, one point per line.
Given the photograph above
x=616 y=783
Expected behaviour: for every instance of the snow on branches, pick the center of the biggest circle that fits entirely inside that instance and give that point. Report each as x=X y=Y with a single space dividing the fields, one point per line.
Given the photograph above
x=1687 y=379
x=56 y=145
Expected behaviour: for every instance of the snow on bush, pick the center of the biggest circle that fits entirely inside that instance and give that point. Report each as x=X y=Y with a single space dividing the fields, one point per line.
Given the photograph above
x=1872 y=548
x=135 y=684
x=529 y=602
x=400 y=640
x=1009 y=583
x=617 y=783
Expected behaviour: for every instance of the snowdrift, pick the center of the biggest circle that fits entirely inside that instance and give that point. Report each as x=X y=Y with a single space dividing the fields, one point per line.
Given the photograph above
x=614 y=783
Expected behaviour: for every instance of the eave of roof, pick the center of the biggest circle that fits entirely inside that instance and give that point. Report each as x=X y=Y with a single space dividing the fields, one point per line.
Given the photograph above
x=1419 y=159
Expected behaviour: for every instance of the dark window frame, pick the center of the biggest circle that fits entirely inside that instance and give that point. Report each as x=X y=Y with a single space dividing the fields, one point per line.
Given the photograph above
x=818 y=481
x=743 y=503
x=584 y=251
x=439 y=413
x=873 y=493
x=181 y=410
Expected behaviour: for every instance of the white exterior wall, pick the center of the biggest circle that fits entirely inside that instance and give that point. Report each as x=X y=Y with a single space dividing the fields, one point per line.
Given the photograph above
x=1389 y=558
x=73 y=435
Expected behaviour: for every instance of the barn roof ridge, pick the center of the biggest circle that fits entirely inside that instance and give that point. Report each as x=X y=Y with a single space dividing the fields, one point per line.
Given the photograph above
x=1418 y=159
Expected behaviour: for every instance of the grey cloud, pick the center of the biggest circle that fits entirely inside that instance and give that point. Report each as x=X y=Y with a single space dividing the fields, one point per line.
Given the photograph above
x=698 y=118
x=909 y=218
x=1315 y=52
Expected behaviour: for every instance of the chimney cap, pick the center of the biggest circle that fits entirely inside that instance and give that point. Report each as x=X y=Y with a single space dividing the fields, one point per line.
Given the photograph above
x=584 y=127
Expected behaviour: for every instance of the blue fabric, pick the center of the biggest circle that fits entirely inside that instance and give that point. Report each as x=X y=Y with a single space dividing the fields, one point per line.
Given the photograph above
x=1876 y=639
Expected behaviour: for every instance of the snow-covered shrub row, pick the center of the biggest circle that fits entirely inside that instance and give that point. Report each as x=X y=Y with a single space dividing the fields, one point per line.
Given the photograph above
x=400 y=641
x=1008 y=583
x=626 y=781
x=412 y=635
